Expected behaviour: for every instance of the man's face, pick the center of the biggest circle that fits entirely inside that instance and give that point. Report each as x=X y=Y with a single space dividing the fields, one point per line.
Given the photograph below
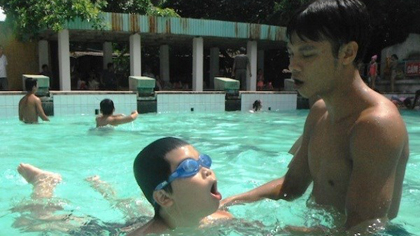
x=313 y=66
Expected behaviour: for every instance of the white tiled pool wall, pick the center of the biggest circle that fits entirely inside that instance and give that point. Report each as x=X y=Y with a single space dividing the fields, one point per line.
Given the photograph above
x=270 y=102
x=9 y=105
x=68 y=104
x=190 y=102
x=85 y=104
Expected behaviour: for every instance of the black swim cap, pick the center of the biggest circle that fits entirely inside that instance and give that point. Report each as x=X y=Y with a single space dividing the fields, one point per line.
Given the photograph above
x=150 y=167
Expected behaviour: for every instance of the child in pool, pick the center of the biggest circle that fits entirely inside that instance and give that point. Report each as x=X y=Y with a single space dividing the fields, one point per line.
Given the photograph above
x=187 y=196
x=173 y=176
x=108 y=118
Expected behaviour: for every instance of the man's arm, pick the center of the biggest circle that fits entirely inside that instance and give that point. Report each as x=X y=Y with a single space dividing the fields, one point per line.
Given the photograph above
x=297 y=178
x=376 y=145
x=123 y=119
x=40 y=111
x=20 y=112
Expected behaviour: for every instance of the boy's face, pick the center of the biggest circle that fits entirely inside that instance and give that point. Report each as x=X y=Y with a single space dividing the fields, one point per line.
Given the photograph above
x=313 y=66
x=194 y=196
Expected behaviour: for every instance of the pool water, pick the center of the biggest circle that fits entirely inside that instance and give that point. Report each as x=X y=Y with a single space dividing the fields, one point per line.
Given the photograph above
x=248 y=149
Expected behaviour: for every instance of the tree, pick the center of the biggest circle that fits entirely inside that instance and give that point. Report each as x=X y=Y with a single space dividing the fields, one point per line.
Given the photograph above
x=29 y=17
x=251 y=11
x=391 y=21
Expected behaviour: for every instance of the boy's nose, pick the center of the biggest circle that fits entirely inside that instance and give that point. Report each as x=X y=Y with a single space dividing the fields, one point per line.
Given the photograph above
x=206 y=171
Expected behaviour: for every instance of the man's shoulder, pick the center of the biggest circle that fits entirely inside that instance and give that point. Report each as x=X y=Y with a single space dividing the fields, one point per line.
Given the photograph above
x=383 y=110
x=382 y=124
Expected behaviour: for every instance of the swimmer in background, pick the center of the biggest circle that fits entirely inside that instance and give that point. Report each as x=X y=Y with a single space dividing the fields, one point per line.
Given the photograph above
x=256 y=106
x=108 y=118
x=30 y=106
x=174 y=177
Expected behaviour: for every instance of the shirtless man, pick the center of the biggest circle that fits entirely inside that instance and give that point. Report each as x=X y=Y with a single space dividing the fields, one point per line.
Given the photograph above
x=355 y=144
x=30 y=106
x=108 y=118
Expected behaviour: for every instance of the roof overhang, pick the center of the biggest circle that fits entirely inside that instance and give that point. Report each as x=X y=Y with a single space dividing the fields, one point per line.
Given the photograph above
x=175 y=32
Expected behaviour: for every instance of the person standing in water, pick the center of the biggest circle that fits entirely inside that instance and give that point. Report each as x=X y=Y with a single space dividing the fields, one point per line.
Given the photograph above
x=30 y=106
x=354 y=147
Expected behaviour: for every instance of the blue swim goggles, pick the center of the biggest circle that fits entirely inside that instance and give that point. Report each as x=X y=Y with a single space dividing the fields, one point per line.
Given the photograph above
x=187 y=168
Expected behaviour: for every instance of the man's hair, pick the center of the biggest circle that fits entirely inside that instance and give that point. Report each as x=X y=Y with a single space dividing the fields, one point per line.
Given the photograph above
x=107 y=106
x=44 y=66
x=338 y=21
x=30 y=83
x=150 y=167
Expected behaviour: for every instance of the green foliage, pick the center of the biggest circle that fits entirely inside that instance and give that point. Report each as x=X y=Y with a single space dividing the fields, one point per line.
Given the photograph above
x=252 y=11
x=391 y=21
x=28 y=17
x=127 y=6
x=166 y=12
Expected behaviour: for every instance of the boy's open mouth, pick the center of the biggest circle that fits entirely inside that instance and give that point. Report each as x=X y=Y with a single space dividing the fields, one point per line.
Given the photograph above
x=214 y=191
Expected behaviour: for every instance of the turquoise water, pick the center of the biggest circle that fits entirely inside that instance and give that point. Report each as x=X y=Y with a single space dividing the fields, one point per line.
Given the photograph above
x=247 y=150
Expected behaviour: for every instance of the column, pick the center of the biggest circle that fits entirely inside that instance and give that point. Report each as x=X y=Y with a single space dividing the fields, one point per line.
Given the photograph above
x=214 y=65
x=43 y=54
x=107 y=50
x=164 y=63
x=197 y=79
x=64 y=60
x=251 y=82
x=135 y=58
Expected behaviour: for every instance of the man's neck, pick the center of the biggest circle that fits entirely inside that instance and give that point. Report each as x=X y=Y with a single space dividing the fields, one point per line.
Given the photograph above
x=347 y=96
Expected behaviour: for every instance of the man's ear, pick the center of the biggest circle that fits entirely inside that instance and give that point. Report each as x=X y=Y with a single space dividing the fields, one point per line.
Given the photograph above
x=348 y=52
x=162 y=198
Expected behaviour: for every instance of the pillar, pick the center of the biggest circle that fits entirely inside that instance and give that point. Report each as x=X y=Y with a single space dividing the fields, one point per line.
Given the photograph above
x=251 y=82
x=197 y=79
x=64 y=60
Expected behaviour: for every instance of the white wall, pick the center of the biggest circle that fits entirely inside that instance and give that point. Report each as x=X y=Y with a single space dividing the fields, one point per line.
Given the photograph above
x=270 y=101
x=185 y=102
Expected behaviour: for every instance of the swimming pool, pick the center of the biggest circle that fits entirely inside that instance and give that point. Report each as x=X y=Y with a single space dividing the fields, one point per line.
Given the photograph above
x=248 y=149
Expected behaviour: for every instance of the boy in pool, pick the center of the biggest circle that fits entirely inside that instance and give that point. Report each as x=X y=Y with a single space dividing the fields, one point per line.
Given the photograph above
x=30 y=106
x=108 y=118
x=187 y=196
x=175 y=178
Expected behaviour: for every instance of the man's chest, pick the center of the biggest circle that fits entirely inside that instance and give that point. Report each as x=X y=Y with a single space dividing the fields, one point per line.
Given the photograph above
x=329 y=155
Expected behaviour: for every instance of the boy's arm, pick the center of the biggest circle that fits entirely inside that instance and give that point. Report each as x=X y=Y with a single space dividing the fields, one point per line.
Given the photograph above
x=124 y=119
x=40 y=110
